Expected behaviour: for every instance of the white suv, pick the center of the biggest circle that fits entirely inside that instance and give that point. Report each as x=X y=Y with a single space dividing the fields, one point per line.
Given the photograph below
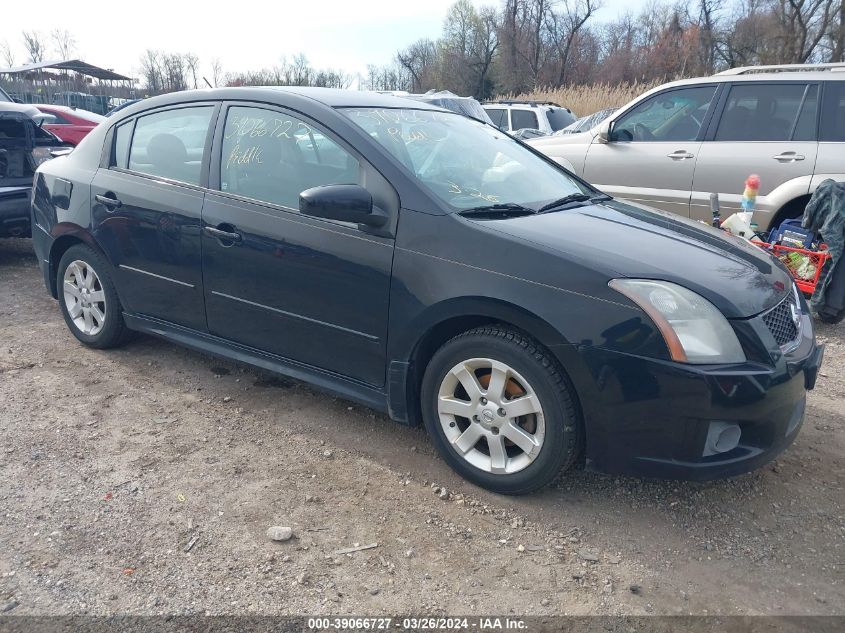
x=513 y=115
x=675 y=145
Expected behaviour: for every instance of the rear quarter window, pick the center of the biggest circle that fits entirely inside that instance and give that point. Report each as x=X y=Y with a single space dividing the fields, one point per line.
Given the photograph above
x=523 y=118
x=833 y=112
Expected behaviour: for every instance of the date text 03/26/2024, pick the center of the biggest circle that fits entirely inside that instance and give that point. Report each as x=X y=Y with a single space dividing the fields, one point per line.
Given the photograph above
x=416 y=624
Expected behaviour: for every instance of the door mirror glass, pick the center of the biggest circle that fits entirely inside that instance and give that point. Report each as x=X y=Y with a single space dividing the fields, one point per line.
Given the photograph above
x=345 y=203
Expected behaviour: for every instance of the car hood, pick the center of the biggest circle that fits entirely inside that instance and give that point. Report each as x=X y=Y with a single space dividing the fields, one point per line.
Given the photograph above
x=625 y=240
x=583 y=138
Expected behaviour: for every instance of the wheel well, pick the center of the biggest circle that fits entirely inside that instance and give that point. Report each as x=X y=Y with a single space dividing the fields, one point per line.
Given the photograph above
x=57 y=250
x=791 y=210
x=436 y=337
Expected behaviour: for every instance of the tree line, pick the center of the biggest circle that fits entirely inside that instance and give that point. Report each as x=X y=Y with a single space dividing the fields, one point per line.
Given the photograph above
x=525 y=45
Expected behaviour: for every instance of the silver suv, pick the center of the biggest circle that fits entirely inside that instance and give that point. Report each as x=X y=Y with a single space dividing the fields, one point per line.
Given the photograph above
x=513 y=114
x=674 y=145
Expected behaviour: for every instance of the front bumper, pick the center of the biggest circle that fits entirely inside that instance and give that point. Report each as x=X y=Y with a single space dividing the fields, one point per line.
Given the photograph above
x=14 y=211
x=652 y=417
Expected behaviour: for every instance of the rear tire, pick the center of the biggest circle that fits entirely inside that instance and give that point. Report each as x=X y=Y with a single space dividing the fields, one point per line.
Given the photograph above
x=88 y=299
x=500 y=411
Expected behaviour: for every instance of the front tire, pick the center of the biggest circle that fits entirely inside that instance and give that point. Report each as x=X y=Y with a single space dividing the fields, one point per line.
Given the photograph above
x=500 y=410
x=88 y=299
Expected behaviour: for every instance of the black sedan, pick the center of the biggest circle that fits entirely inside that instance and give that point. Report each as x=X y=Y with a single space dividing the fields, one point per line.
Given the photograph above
x=430 y=266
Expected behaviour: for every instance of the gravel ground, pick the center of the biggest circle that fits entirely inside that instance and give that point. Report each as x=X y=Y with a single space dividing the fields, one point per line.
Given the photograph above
x=144 y=480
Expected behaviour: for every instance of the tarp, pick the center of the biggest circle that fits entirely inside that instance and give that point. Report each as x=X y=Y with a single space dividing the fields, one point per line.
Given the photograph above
x=449 y=100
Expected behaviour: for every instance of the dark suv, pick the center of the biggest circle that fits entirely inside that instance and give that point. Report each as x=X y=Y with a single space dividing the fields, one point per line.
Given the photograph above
x=430 y=266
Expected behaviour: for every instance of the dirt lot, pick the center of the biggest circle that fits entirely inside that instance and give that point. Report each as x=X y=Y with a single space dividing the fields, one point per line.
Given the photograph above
x=112 y=463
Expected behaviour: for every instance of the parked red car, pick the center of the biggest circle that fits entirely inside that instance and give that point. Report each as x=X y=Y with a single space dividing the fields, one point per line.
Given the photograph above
x=70 y=124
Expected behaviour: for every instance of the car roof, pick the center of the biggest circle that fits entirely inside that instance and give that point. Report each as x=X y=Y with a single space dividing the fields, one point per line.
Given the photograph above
x=797 y=76
x=291 y=96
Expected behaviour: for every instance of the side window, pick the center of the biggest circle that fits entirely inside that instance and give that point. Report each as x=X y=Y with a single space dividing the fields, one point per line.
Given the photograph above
x=272 y=156
x=769 y=112
x=499 y=116
x=675 y=115
x=121 y=145
x=58 y=119
x=523 y=118
x=833 y=112
x=171 y=143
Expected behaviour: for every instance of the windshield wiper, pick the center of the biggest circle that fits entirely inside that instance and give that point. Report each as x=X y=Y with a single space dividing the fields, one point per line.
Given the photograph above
x=571 y=199
x=501 y=209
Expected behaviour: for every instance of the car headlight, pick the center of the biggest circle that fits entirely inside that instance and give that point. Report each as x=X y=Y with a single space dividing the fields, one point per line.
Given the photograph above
x=694 y=329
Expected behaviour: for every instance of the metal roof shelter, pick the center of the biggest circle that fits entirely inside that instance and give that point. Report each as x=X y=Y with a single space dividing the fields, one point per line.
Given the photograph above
x=76 y=65
x=71 y=82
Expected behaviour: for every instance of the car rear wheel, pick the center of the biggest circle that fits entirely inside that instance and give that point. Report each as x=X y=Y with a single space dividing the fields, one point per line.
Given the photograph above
x=88 y=300
x=500 y=411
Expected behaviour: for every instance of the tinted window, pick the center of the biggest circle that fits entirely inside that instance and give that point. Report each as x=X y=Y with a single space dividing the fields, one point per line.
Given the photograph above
x=273 y=157
x=499 y=116
x=171 y=143
x=121 y=145
x=523 y=118
x=676 y=115
x=781 y=112
x=833 y=112
x=58 y=119
x=559 y=118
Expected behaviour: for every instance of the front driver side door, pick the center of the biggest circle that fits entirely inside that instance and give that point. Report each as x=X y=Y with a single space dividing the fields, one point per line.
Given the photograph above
x=310 y=290
x=651 y=153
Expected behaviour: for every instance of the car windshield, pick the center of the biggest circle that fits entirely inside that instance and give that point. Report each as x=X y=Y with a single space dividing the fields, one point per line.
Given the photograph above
x=465 y=163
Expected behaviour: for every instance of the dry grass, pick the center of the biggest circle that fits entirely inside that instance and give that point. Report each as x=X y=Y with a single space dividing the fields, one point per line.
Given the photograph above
x=583 y=100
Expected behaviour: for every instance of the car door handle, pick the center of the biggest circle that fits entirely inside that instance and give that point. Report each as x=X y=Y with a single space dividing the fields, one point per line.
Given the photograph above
x=220 y=234
x=788 y=157
x=681 y=154
x=108 y=201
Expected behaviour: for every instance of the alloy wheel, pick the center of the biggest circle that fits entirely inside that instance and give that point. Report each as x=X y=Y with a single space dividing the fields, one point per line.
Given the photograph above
x=84 y=297
x=491 y=416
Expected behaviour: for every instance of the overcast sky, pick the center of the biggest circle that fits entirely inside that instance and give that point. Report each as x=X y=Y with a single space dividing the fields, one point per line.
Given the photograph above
x=345 y=34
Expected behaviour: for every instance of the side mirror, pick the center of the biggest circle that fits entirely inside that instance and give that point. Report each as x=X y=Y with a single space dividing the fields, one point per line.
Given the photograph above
x=605 y=131
x=346 y=203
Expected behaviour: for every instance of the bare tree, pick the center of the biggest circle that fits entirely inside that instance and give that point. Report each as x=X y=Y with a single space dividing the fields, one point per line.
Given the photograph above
x=193 y=63
x=419 y=59
x=565 y=26
x=837 y=36
x=216 y=72
x=7 y=55
x=33 y=41
x=64 y=43
x=803 y=25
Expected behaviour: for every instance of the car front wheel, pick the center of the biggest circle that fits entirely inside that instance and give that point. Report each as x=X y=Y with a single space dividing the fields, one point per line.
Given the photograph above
x=500 y=411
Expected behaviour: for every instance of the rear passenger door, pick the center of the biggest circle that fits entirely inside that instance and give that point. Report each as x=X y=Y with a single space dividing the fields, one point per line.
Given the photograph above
x=765 y=128
x=146 y=210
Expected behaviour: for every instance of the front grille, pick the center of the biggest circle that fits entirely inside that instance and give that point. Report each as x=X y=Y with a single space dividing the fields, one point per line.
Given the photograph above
x=780 y=322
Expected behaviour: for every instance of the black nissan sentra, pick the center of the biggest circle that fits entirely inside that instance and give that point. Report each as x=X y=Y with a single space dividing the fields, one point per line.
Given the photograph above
x=429 y=266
